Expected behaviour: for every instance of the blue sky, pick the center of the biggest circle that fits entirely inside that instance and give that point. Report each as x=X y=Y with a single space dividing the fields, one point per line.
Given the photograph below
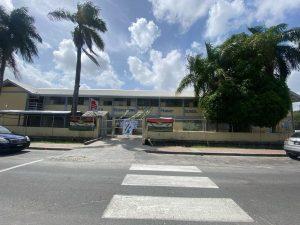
x=147 y=40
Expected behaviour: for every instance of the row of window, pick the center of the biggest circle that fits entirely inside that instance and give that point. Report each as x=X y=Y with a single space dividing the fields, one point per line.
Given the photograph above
x=60 y=121
x=126 y=102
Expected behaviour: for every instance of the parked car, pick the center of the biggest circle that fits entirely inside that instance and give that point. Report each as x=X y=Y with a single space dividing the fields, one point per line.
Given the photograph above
x=12 y=142
x=292 y=145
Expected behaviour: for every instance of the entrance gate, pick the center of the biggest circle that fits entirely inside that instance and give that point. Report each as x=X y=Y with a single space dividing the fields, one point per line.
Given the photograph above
x=114 y=127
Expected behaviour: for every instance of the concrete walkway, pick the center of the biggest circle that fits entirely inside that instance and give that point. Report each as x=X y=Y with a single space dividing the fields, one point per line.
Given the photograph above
x=134 y=143
x=218 y=151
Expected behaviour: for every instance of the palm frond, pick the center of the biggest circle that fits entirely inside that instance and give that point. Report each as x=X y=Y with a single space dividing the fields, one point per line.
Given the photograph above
x=98 y=24
x=87 y=38
x=62 y=14
x=78 y=37
x=257 y=29
x=292 y=35
x=95 y=37
x=184 y=83
x=91 y=57
x=280 y=28
x=12 y=64
x=291 y=55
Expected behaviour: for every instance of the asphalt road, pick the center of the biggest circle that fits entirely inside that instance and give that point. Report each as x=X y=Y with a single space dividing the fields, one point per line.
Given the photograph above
x=85 y=187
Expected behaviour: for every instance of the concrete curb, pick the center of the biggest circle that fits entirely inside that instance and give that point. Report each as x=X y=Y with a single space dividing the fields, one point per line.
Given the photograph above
x=55 y=149
x=216 y=153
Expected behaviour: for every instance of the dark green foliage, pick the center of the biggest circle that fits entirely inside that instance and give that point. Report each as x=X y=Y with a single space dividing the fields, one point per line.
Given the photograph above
x=18 y=35
x=245 y=77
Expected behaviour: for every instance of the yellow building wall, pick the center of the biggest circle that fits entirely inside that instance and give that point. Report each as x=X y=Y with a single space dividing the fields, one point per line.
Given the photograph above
x=216 y=136
x=52 y=132
x=13 y=98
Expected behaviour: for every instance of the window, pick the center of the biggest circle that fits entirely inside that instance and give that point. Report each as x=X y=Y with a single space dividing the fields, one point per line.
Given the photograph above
x=47 y=121
x=57 y=100
x=171 y=102
x=190 y=103
x=120 y=102
x=147 y=102
x=80 y=101
x=3 y=130
x=107 y=102
x=59 y=121
x=33 y=121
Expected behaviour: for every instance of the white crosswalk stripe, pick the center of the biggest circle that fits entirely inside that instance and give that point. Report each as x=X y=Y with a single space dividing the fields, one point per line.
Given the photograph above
x=168 y=181
x=166 y=168
x=174 y=208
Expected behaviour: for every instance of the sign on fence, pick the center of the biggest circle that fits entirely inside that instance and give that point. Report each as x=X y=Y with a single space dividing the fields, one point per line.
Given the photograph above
x=128 y=126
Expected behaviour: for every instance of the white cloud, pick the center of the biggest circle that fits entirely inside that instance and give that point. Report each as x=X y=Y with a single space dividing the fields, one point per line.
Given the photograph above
x=31 y=74
x=162 y=73
x=294 y=81
x=294 y=85
x=143 y=33
x=195 y=49
x=7 y=4
x=272 y=12
x=183 y=12
x=225 y=16
x=103 y=76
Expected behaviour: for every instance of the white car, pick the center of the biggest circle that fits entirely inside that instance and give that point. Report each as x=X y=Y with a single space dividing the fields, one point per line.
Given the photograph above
x=292 y=145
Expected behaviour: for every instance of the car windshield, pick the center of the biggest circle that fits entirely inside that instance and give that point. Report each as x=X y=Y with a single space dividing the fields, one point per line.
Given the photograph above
x=3 y=130
x=296 y=135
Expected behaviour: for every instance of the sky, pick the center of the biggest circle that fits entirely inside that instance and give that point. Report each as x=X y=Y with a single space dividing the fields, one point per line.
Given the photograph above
x=147 y=40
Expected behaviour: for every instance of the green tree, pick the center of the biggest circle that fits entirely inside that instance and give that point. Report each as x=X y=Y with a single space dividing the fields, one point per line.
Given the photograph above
x=18 y=35
x=280 y=47
x=201 y=73
x=247 y=77
x=88 y=24
x=248 y=93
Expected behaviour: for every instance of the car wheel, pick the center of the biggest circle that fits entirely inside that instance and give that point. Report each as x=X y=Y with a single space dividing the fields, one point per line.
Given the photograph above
x=292 y=155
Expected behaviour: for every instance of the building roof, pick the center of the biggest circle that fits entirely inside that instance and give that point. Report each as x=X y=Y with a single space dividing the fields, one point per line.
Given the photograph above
x=34 y=112
x=109 y=92
x=294 y=97
x=97 y=92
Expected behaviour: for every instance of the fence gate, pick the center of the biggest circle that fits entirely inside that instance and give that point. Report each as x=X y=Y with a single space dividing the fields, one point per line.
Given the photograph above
x=116 y=126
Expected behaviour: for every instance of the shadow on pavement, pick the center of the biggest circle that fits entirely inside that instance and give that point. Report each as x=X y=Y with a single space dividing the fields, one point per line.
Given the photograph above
x=8 y=153
x=131 y=143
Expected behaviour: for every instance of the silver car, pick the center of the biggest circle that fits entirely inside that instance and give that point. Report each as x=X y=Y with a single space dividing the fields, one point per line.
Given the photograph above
x=292 y=145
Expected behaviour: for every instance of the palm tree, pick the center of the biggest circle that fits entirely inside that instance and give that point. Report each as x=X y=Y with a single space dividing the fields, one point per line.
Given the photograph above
x=201 y=75
x=286 y=56
x=18 y=35
x=87 y=25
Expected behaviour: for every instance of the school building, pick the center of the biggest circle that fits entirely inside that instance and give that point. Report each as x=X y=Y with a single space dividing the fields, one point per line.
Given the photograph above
x=28 y=110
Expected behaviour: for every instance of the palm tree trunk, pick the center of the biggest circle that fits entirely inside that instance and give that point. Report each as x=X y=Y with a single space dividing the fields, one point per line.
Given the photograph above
x=77 y=83
x=2 y=69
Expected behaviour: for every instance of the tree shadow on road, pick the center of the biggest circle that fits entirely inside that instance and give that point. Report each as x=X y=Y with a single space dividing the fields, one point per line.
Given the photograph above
x=9 y=153
x=131 y=143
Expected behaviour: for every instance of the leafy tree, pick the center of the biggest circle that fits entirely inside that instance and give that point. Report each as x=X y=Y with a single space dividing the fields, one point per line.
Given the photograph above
x=247 y=80
x=281 y=49
x=88 y=24
x=18 y=35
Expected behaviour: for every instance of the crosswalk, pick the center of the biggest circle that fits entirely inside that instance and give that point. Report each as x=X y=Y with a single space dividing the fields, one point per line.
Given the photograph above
x=173 y=207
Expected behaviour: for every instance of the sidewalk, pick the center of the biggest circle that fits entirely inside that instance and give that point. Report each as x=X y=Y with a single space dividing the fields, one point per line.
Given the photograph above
x=226 y=151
